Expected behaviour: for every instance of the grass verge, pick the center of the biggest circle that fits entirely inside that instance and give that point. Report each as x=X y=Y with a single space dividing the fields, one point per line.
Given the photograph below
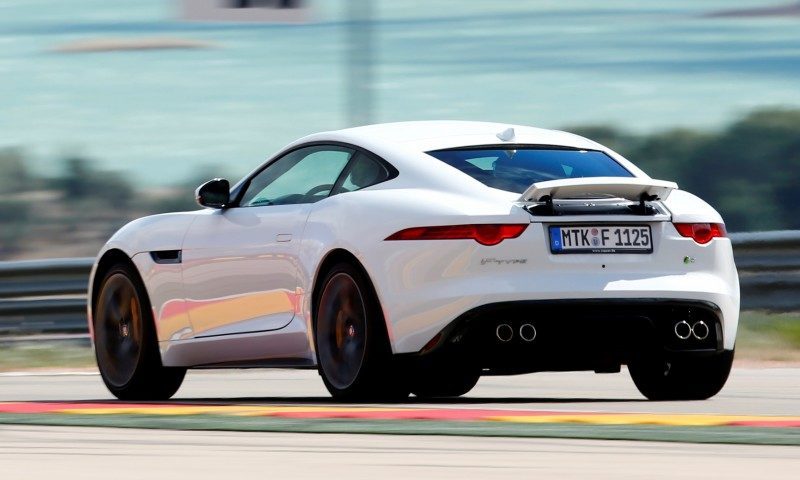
x=46 y=354
x=769 y=336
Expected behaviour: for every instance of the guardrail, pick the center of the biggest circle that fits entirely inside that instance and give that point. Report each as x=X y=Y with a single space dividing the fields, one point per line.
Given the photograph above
x=44 y=296
x=49 y=296
x=769 y=269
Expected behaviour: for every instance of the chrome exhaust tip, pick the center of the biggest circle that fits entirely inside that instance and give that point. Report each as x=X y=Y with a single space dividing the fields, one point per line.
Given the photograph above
x=700 y=330
x=527 y=332
x=683 y=330
x=504 y=332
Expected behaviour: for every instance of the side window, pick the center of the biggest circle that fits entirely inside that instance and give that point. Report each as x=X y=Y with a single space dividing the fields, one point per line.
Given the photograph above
x=363 y=172
x=306 y=175
x=484 y=163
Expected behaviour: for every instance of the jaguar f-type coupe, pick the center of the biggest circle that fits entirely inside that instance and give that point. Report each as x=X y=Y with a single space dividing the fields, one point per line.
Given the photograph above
x=417 y=257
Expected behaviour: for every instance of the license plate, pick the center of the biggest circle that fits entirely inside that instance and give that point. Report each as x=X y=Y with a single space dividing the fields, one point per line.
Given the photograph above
x=601 y=239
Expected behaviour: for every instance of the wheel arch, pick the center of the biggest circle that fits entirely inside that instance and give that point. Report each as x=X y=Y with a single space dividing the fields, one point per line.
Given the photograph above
x=333 y=257
x=337 y=255
x=108 y=259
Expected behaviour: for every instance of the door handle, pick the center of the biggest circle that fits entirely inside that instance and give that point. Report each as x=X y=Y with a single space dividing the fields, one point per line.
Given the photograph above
x=283 y=237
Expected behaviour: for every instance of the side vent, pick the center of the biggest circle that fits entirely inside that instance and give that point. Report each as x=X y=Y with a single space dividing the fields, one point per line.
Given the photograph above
x=166 y=256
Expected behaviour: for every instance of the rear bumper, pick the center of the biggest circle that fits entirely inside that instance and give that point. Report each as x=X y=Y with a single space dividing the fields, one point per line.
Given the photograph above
x=415 y=322
x=424 y=286
x=577 y=334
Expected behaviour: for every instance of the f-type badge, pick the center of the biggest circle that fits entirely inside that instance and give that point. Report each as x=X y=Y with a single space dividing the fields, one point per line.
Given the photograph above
x=504 y=261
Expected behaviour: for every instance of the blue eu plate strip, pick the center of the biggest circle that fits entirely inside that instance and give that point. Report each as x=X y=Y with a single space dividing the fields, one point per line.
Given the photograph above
x=555 y=239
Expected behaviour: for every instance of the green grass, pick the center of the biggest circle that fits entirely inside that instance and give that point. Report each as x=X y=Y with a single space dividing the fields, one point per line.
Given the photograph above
x=762 y=336
x=769 y=336
x=30 y=355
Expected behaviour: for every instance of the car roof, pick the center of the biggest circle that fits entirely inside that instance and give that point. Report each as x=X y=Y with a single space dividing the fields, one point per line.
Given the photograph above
x=404 y=145
x=432 y=135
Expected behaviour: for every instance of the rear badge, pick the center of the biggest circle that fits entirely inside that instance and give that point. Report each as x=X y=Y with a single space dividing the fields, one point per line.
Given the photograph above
x=688 y=260
x=504 y=261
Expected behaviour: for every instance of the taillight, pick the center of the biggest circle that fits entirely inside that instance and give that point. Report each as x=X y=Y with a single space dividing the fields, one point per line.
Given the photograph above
x=702 y=233
x=485 y=234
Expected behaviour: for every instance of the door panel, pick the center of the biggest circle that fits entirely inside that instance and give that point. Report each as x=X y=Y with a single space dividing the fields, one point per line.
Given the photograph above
x=240 y=265
x=240 y=269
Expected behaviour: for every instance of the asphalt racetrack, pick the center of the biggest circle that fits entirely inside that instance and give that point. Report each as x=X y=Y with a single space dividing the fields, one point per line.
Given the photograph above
x=235 y=423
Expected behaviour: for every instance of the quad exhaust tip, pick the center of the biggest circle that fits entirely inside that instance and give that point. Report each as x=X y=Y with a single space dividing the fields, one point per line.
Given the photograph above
x=527 y=332
x=683 y=330
x=700 y=330
x=504 y=332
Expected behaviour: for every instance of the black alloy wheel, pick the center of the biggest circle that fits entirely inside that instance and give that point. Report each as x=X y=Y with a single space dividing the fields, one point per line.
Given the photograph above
x=125 y=341
x=118 y=330
x=353 y=350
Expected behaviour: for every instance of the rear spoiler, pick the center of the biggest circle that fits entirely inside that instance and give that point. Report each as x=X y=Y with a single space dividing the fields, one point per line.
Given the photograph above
x=634 y=189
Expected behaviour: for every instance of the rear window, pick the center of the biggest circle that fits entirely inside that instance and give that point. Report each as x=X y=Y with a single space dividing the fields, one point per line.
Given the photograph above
x=516 y=169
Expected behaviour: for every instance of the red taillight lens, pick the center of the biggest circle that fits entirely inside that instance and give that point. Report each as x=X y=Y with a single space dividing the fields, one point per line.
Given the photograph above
x=485 y=234
x=702 y=233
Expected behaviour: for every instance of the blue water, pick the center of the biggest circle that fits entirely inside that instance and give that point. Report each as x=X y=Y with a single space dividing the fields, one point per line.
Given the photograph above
x=642 y=65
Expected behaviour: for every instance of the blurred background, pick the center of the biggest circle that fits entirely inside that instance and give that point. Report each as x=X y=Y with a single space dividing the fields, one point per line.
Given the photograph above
x=113 y=110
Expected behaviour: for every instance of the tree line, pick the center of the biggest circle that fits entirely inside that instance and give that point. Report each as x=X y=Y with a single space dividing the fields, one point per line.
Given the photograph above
x=749 y=170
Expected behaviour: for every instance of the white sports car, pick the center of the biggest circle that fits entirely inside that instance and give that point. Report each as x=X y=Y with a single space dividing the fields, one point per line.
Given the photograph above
x=416 y=257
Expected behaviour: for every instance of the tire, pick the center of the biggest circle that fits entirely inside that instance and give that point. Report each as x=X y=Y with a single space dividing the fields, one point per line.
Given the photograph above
x=444 y=380
x=685 y=379
x=125 y=342
x=353 y=351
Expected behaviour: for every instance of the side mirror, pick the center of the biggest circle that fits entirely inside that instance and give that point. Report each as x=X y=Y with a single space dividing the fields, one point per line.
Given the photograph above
x=214 y=193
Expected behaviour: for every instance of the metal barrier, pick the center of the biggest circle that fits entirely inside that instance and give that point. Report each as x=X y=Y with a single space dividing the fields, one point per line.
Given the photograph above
x=44 y=296
x=49 y=296
x=769 y=269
